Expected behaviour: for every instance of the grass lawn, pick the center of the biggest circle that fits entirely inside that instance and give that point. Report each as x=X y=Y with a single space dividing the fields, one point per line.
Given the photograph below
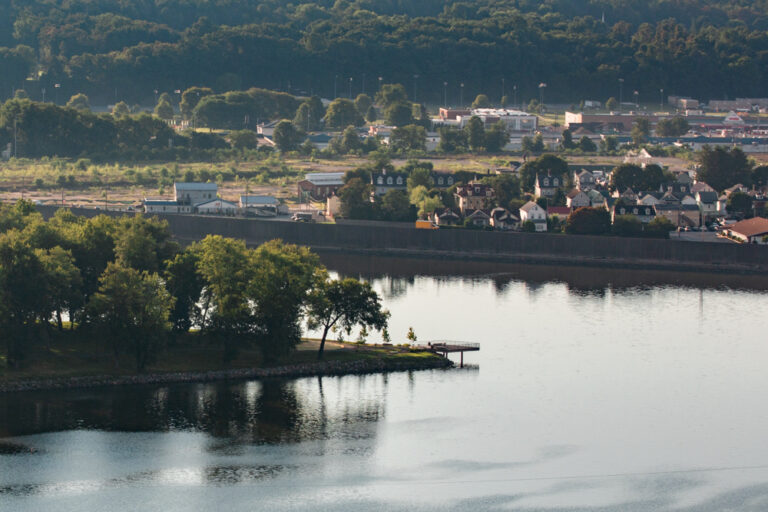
x=71 y=356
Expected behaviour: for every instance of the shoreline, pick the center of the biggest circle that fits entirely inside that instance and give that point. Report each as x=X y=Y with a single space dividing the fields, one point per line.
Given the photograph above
x=320 y=368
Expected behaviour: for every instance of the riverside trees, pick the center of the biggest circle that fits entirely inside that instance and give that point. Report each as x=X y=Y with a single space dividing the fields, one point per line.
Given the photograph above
x=125 y=282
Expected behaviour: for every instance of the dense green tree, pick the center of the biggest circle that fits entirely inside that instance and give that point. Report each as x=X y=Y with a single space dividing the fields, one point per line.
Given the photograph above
x=567 y=139
x=722 y=168
x=342 y=113
x=389 y=94
x=285 y=275
x=22 y=303
x=452 y=140
x=395 y=206
x=120 y=109
x=226 y=268
x=481 y=101
x=659 y=227
x=79 y=102
x=371 y=115
x=131 y=310
x=244 y=139
x=286 y=136
x=185 y=284
x=350 y=140
x=164 y=110
x=589 y=221
x=143 y=243
x=674 y=127
x=191 y=97
x=611 y=104
x=63 y=287
x=344 y=303
x=586 y=145
x=740 y=204
x=627 y=225
x=408 y=138
x=363 y=102
x=355 y=198
x=759 y=176
x=496 y=137
x=641 y=130
x=475 y=134
x=399 y=113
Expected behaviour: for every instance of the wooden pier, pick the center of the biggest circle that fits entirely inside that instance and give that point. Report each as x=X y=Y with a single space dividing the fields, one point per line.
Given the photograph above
x=444 y=348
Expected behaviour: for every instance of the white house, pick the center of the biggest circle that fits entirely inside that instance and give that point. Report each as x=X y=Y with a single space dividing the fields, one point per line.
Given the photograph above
x=707 y=202
x=216 y=206
x=531 y=211
x=165 y=206
x=194 y=193
x=577 y=199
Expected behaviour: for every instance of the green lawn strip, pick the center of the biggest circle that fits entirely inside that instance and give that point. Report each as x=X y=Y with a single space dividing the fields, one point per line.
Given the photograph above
x=70 y=356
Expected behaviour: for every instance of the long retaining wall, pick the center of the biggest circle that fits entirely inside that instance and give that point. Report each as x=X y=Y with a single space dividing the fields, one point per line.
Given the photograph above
x=481 y=245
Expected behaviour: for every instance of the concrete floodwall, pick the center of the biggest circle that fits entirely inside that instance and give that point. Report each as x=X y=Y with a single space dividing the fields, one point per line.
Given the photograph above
x=469 y=244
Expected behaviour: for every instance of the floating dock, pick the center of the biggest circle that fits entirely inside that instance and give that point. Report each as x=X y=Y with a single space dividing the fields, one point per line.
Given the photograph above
x=444 y=347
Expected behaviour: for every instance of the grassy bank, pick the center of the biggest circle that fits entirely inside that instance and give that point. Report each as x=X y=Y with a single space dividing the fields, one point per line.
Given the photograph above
x=70 y=357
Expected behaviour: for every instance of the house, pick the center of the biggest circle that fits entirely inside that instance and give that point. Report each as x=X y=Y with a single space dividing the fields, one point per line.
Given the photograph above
x=531 y=211
x=504 y=220
x=736 y=188
x=708 y=204
x=260 y=205
x=216 y=206
x=319 y=185
x=577 y=198
x=599 y=198
x=385 y=181
x=628 y=195
x=478 y=218
x=751 y=231
x=561 y=211
x=446 y=217
x=474 y=196
x=681 y=215
x=649 y=198
x=700 y=186
x=547 y=186
x=165 y=206
x=643 y=213
x=584 y=180
x=194 y=193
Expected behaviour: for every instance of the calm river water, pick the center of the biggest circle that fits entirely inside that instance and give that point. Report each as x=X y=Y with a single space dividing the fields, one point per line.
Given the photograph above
x=594 y=389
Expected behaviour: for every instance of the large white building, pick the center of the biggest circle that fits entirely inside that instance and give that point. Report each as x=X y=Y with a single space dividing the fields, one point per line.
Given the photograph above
x=194 y=193
x=515 y=120
x=186 y=198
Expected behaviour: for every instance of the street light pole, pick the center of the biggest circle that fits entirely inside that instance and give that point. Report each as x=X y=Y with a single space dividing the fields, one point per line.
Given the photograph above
x=661 y=102
x=542 y=85
x=637 y=102
x=514 y=95
x=461 y=96
x=445 y=94
x=621 y=91
x=350 y=87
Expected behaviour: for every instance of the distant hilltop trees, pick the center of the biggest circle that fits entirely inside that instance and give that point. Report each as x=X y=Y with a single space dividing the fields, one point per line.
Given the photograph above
x=442 y=51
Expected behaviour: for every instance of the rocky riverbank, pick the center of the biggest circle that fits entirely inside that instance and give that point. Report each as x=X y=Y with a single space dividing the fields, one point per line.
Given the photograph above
x=356 y=367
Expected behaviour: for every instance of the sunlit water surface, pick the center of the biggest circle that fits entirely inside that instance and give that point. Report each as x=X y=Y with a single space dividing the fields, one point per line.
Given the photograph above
x=591 y=391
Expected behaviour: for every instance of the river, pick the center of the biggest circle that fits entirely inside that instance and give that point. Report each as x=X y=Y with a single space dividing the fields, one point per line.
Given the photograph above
x=594 y=389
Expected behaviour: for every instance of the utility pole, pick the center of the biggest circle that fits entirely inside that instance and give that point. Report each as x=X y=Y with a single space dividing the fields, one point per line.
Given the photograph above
x=621 y=92
x=445 y=94
x=415 y=77
x=15 y=139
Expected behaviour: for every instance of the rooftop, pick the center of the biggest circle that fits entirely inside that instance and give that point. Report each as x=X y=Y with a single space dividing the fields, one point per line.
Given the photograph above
x=325 y=178
x=195 y=186
x=258 y=200
x=751 y=227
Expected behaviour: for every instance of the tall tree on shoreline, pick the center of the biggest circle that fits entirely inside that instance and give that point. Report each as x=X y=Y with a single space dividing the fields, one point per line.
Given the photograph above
x=345 y=303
